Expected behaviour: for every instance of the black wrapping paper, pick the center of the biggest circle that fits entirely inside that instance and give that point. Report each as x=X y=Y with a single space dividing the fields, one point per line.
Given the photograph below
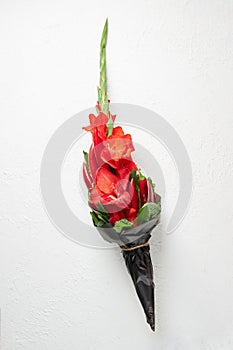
x=140 y=268
x=137 y=259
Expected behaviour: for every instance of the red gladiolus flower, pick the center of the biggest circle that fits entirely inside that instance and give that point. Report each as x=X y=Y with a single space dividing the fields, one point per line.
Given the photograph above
x=117 y=147
x=122 y=200
x=108 y=178
x=111 y=203
x=97 y=127
x=110 y=191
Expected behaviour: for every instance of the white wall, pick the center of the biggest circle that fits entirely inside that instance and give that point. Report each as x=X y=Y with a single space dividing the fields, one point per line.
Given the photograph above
x=174 y=57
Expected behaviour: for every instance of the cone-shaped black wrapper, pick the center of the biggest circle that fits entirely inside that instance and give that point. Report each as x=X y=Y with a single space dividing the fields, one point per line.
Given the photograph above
x=138 y=260
x=139 y=265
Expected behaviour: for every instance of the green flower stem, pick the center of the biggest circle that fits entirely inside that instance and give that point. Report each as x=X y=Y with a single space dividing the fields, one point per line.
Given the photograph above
x=102 y=88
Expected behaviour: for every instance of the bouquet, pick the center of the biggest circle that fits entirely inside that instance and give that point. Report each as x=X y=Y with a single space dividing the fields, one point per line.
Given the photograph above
x=123 y=202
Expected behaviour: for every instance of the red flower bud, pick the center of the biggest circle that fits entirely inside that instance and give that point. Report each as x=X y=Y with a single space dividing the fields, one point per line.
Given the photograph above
x=132 y=210
x=135 y=201
x=92 y=162
x=143 y=191
x=97 y=127
x=151 y=196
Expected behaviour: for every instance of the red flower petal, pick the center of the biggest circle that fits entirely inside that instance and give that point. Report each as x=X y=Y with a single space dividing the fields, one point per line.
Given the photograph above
x=92 y=162
x=106 y=181
x=125 y=164
x=114 y=217
x=117 y=131
x=150 y=192
x=87 y=177
x=134 y=202
x=143 y=191
x=131 y=214
x=116 y=149
x=97 y=127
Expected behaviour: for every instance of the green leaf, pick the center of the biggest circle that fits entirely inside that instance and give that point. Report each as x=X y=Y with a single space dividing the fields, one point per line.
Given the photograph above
x=99 y=95
x=102 y=217
x=141 y=176
x=97 y=110
x=143 y=215
x=101 y=208
x=133 y=175
x=147 y=212
x=101 y=223
x=94 y=218
x=102 y=214
x=97 y=221
x=86 y=161
x=154 y=209
x=152 y=184
x=110 y=125
x=123 y=223
x=102 y=89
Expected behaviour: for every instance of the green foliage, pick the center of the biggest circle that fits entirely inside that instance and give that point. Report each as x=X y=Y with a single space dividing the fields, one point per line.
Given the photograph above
x=98 y=219
x=147 y=212
x=102 y=88
x=86 y=161
x=110 y=125
x=94 y=218
x=121 y=224
x=101 y=208
x=102 y=214
x=141 y=176
x=152 y=184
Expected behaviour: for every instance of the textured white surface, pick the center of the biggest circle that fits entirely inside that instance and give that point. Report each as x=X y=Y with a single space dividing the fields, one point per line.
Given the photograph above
x=175 y=57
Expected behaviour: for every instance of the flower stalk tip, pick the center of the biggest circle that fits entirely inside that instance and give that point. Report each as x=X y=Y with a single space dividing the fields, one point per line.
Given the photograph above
x=102 y=88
